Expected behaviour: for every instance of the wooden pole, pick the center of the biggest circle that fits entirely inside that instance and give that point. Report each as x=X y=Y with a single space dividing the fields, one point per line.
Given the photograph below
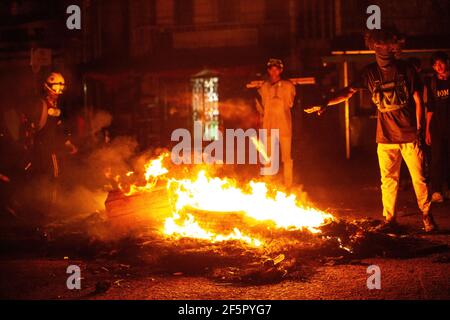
x=347 y=114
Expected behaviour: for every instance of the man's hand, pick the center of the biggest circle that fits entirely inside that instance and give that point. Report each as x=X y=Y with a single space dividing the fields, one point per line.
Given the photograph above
x=319 y=109
x=420 y=138
x=428 y=138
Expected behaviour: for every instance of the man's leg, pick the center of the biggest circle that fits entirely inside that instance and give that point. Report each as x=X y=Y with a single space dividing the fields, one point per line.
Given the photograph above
x=390 y=159
x=268 y=145
x=272 y=157
x=287 y=160
x=414 y=160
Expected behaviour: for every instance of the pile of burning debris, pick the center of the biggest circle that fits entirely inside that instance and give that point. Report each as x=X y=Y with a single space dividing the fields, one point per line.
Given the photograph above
x=191 y=223
x=286 y=254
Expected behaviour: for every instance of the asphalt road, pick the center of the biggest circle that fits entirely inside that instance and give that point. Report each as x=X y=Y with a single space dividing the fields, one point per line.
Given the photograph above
x=348 y=193
x=419 y=278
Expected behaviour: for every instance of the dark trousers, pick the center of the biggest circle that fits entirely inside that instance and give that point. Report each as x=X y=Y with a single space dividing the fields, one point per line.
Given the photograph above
x=440 y=162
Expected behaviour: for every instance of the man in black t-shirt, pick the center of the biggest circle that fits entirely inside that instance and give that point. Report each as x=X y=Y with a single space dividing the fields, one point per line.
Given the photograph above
x=437 y=90
x=395 y=89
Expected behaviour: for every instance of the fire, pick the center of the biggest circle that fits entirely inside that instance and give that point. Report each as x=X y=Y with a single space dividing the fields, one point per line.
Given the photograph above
x=222 y=195
x=191 y=229
x=255 y=201
x=153 y=170
x=155 y=167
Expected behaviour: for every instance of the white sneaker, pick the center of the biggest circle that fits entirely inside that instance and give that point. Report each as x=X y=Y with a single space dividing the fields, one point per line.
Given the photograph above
x=437 y=197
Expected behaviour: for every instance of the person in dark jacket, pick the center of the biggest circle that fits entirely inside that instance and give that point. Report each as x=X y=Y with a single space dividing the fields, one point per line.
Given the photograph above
x=49 y=140
x=438 y=126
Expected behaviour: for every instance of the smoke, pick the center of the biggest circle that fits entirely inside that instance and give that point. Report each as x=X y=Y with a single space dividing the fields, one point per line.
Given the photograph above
x=87 y=178
x=55 y=201
x=83 y=185
x=114 y=156
x=240 y=113
x=100 y=120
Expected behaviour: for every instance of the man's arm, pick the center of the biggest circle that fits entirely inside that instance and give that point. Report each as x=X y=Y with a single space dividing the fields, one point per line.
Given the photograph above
x=339 y=97
x=259 y=106
x=292 y=93
x=419 y=115
x=429 y=104
x=258 y=100
x=342 y=96
x=428 y=140
x=419 y=110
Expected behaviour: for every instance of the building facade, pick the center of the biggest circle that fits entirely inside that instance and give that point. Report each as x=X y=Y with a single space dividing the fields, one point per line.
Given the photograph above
x=153 y=64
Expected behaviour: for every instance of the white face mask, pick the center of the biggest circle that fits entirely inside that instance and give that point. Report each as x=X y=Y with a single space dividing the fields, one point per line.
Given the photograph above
x=58 y=88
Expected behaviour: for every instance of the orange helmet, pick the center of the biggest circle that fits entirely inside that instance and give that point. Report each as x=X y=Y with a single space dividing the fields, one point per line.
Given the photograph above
x=55 y=83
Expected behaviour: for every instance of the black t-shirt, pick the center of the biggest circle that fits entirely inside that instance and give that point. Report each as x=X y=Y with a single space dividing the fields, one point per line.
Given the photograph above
x=392 y=92
x=439 y=103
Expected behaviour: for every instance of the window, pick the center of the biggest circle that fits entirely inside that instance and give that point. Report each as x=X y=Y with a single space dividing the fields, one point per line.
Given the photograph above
x=205 y=105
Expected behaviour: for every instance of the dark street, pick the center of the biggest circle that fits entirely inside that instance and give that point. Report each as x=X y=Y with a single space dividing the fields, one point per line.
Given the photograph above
x=424 y=277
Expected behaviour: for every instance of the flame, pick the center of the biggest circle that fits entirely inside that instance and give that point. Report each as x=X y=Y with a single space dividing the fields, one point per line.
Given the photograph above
x=153 y=169
x=222 y=195
x=191 y=229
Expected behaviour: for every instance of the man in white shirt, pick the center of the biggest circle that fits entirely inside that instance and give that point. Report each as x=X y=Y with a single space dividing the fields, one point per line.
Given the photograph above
x=277 y=99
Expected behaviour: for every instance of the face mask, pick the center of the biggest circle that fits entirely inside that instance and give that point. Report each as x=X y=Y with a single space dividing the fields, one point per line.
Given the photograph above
x=385 y=57
x=58 y=88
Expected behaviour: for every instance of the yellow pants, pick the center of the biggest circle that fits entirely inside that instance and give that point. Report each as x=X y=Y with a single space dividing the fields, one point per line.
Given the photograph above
x=390 y=160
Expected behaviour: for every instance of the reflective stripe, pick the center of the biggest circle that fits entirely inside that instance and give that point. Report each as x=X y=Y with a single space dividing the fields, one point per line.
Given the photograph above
x=44 y=114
